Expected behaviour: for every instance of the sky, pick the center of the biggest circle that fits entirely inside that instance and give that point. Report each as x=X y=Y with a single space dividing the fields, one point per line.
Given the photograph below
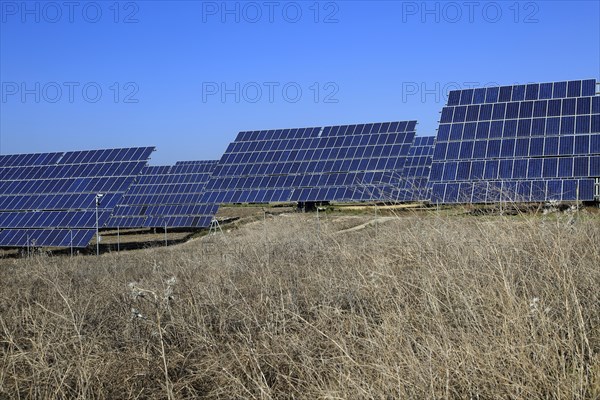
x=187 y=76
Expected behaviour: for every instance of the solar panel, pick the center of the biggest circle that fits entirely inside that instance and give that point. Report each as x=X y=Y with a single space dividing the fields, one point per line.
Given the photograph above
x=167 y=196
x=57 y=191
x=534 y=142
x=46 y=237
x=334 y=163
x=412 y=185
x=17 y=160
x=197 y=162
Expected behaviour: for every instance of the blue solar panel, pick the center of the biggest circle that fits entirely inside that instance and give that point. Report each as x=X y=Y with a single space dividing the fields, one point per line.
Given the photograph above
x=534 y=142
x=19 y=160
x=46 y=237
x=58 y=191
x=334 y=163
x=412 y=185
x=206 y=163
x=167 y=196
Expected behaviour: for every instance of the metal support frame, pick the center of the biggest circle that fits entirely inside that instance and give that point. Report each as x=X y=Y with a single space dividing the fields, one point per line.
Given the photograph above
x=214 y=227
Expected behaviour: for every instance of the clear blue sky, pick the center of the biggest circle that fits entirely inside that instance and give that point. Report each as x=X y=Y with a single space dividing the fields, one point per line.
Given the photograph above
x=162 y=67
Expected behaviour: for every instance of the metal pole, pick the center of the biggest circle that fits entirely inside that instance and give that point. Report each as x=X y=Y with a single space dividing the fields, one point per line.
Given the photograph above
x=118 y=240
x=166 y=244
x=318 y=223
x=71 y=234
x=376 y=223
x=97 y=237
x=265 y=224
x=98 y=197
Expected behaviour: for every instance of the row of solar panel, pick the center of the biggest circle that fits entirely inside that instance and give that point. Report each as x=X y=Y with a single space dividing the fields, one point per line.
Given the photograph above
x=416 y=171
x=16 y=160
x=340 y=130
x=167 y=188
x=416 y=161
x=524 y=109
x=527 y=168
x=422 y=151
x=519 y=128
x=52 y=219
x=65 y=186
x=46 y=237
x=423 y=141
x=355 y=193
x=71 y=171
x=208 y=163
x=532 y=91
x=155 y=222
x=171 y=179
x=343 y=142
x=407 y=190
x=57 y=202
x=308 y=167
x=298 y=181
x=106 y=155
x=515 y=191
x=325 y=155
x=156 y=210
x=205 y=167
x=153 y=199
x=75 y=158
x=509 y=148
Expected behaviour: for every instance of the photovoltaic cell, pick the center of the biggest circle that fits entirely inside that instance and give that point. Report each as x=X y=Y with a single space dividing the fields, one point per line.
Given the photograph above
x=334 y=163
x=412 y=185
x=534 y=142
x=57 y=191
x=167 y=196
x=46 y=237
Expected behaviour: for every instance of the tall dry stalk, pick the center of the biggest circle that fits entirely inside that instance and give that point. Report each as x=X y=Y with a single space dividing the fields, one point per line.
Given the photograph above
x=438 y=305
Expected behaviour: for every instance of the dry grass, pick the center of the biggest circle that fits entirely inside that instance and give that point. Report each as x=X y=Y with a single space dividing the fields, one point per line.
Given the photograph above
x=419 y=307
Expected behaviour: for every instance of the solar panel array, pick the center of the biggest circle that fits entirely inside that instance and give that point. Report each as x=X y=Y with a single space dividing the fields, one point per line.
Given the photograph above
x=334 y=163
x=534 y=142
x=50 y=198
x=167 y=196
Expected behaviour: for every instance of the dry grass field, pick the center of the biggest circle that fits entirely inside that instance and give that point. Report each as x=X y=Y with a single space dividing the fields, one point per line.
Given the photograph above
x=419 y=306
